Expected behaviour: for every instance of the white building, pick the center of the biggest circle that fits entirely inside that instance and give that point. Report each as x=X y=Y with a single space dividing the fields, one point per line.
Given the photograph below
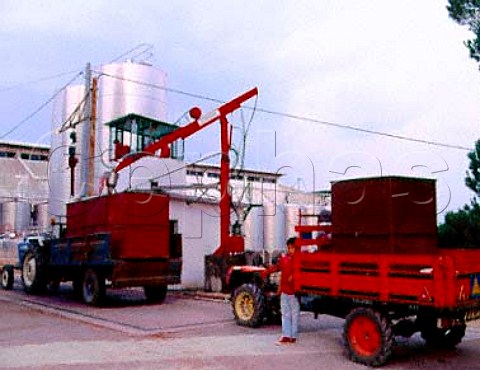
x=23 y=187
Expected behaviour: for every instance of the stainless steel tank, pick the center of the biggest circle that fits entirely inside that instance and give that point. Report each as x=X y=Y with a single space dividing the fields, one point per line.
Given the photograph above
x=253 y=229
x=22 y=216
x=291 y=218
x=58 y=170
x=123 y=88
x=8 y=215
x=273 y=226
x=43 y=217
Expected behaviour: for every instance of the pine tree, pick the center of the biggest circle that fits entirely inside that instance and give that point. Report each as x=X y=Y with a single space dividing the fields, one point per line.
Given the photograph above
x=467 y=13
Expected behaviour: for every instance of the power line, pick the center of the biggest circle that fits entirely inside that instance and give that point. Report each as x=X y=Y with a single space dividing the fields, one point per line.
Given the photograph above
x=297 y=117
x=42 y=79
x=31 y=115
x=363 y=130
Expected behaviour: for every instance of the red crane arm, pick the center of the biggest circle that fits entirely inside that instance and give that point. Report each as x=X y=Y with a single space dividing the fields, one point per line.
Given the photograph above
x=186 y=131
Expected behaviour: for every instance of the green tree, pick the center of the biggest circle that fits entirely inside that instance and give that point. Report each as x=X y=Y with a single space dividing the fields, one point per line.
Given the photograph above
x=462 y=228
x=473 y=174
x=467 y=13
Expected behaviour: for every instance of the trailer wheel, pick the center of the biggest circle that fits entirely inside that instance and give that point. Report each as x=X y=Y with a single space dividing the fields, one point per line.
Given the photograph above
x=368 y=337
x=156 y=293
x=7 y=277
x=33 y=272
x=248 y=304
x=93 y=287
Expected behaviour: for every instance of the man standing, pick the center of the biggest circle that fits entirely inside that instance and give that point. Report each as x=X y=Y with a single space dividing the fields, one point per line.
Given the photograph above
x=289 y=303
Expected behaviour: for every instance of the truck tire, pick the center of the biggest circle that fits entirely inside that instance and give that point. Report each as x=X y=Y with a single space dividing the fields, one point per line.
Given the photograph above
x=93 y=287
x=7 y=277
x=248 y=304
x=155 y=293
x=33 y=274
x=368 y=337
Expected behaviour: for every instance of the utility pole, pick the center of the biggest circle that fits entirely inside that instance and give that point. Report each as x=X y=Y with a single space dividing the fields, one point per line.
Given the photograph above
x=92 y=129
x=87 y=140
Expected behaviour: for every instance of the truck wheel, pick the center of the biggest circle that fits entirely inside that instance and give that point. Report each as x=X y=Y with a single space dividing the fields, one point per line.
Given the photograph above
x=93 y=287
x=368 y=337
x=155 y=294
x=7 y=277
x=248 y=304
x=32 y=272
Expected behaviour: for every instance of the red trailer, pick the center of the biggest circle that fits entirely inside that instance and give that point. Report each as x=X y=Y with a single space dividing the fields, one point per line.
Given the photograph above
x=119 y=240
x=377 y=265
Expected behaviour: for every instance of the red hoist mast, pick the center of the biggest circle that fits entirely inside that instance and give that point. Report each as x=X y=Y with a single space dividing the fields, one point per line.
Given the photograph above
x=229 y=242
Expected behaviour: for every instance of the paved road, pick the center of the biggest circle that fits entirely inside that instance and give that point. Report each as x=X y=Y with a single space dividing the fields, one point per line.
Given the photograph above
x=55 y=332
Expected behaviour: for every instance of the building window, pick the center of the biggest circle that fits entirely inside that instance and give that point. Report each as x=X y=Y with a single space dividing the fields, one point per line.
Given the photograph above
x=7 y=154
x=268 y=180
x=213 y=175
x=195 y=173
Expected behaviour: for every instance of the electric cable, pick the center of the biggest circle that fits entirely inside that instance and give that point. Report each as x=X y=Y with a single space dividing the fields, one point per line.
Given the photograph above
x=42 y=79
x=42 y=106
x=298 y=117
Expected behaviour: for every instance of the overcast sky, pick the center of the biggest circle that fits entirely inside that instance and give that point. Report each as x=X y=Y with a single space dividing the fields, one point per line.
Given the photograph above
x=397 y=67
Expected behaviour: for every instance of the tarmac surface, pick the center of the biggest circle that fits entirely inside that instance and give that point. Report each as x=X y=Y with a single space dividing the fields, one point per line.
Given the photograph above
x=191 y=330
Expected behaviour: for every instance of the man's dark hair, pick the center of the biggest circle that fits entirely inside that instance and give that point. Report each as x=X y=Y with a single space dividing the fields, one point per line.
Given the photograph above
x=291 y=240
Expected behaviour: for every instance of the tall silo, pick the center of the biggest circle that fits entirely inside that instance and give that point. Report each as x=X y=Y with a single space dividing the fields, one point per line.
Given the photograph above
x=8 y=215
x=253 y=229
x=43 y=217
x=22 y=216
x=291 y=218
x=273 y=226
x=58 y=170
x=123 y=88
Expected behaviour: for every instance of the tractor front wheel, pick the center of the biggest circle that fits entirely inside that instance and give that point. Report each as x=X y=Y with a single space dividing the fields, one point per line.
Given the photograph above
x=33 y=272
x=368 y=337
x=248 y=303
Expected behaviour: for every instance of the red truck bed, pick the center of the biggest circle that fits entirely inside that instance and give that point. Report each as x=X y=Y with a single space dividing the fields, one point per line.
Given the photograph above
x=382 y=246
x=448 y=279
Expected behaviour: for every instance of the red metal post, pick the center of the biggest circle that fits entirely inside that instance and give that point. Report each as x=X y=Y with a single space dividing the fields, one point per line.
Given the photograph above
x=225 y=197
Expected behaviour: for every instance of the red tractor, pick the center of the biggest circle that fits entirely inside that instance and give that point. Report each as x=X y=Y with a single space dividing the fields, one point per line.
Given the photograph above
x=378 y=266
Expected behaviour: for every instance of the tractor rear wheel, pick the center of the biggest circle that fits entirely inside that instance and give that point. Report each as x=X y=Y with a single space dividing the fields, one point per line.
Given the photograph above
x=368 y=337
x=93 y=287
x=7 y=277
x=156 y=293
x=248 y=303
x=33 y=272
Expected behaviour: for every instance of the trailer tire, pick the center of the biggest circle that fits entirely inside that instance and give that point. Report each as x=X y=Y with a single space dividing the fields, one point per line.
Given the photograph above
x=93 y=287
x=7 y=277
x=155 y=293
x=248 y=303
x=368 y=337
x=33 y=274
